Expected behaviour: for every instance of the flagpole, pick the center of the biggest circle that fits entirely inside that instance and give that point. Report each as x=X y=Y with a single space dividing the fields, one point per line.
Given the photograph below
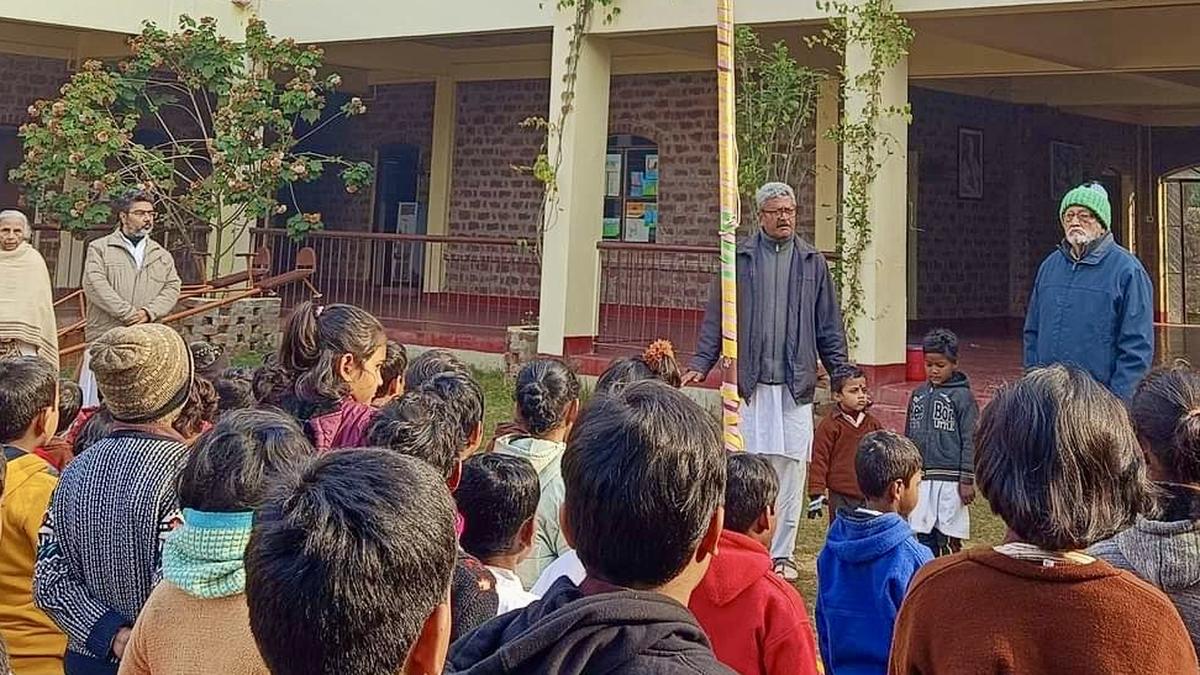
x=730 y=215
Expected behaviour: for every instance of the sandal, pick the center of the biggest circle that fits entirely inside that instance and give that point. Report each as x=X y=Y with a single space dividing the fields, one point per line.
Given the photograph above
x=786 y=569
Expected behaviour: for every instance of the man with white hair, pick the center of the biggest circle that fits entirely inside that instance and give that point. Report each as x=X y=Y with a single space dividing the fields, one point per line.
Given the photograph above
x=27 y=323
x=788 y=315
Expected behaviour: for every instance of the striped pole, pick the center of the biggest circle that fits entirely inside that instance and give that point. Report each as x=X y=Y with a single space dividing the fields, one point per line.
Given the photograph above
x=730 y=214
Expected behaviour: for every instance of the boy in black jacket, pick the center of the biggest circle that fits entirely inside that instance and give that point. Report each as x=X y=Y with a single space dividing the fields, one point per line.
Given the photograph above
x=942 y=415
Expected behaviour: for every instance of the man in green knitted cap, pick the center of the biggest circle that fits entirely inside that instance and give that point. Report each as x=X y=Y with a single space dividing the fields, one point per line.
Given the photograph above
x=1092 y=304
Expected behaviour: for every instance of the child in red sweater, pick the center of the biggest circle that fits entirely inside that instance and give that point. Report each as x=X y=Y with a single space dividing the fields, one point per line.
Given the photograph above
x=756 y=621
x=836 y=442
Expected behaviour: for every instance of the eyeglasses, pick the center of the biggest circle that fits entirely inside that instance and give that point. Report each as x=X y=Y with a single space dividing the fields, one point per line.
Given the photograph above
x=141 y=213
x=775 y=213
x=1083 y=217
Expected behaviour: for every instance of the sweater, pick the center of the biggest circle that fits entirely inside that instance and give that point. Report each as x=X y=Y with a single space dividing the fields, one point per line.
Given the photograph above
x=332 y=425
x=941 y=422
x=180 y=634
x=1096 y=313
x=548 y=540
x=982 y=612
x=570 y=632
x=473 y=596
x=101 y=545
x=27 y=302
x=35 y=644
x=772 y=305
x=835 y=445
x=863 y=572
x=756 y=621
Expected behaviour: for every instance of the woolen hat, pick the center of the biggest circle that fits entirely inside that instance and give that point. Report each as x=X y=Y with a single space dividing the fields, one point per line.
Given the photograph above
x=143 y=372
x=1092 y=196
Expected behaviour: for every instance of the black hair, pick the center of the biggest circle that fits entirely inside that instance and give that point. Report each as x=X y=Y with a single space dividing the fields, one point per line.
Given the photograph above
x=497 y=495
x=316 y=337
x=430 y=363
x=235 y=393
x=70 y=402
x=123 y=203
x=395 y=362
x=209 y=359
x=28 y=385
x=622 y=372
x=94 y=430
x=545 y=389
x=660 y=358
x=231 y=464
x=1057 y=460
x=750 y=487
x=348 y=558
x=270 y=383
x=941 y=341
x=839 y=378
x=202 y=407
x=464 y=399
x=419 y=424
x=1166 y=415
x=643 y=467
x=883 y=457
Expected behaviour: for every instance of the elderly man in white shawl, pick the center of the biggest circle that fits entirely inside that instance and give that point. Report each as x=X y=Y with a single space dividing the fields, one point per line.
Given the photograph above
x=27 y=324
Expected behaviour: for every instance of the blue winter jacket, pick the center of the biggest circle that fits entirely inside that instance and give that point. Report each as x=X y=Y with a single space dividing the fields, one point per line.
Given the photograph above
x=863 y=573
x=1096 y=314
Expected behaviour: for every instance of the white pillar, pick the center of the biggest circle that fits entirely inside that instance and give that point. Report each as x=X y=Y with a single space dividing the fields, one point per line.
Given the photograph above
x=570 y=289
x=441 y=166
x=828 y=168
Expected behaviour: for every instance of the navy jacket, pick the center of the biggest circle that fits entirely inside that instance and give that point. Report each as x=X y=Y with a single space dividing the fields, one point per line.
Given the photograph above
x=941 y=422
x=863 y=572
x=1096 y=314
x=814 y=322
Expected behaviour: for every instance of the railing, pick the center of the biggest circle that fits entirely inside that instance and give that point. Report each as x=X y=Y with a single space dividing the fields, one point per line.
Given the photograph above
x=66 y=253
x=422 y=283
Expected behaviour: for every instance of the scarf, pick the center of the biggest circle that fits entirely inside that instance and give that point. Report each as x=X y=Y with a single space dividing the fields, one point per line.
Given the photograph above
x=204 y=557
x=27 y=302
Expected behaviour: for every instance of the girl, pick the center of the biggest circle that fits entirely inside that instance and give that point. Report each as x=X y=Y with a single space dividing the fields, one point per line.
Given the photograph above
x=1057 y=460
x=199 y=412
x=658 y=362
x=1166 y=550
x=547 y=397
x=329 y=360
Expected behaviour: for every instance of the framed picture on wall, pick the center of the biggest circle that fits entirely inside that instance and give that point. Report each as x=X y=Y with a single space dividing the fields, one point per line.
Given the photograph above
x=1066 y=168
x=970 y=163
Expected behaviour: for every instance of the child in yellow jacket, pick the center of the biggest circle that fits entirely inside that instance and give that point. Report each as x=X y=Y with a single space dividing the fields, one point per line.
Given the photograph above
x=28 y=418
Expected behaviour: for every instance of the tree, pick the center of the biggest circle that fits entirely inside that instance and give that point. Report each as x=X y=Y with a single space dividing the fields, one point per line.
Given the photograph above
x=225 y=115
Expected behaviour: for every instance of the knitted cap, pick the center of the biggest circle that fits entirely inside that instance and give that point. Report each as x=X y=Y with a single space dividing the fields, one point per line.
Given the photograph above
x=1092 y=196
x=143 y=371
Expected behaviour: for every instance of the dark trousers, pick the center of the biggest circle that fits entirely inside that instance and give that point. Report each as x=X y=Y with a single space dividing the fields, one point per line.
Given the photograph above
x=939 y=543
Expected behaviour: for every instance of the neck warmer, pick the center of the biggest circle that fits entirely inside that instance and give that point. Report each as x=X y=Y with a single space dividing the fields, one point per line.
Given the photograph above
x=204 y=557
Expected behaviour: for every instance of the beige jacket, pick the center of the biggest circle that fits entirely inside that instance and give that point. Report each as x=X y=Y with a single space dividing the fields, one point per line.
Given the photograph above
x=116 y=288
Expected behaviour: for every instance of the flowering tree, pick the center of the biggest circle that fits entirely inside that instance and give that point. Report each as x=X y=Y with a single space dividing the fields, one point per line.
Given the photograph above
x=226 y=119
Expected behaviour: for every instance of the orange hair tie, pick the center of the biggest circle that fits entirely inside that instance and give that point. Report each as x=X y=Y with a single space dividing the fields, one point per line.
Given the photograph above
x=657 y=351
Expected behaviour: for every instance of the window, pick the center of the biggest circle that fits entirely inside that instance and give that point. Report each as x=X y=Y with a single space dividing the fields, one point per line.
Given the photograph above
x=631 y=186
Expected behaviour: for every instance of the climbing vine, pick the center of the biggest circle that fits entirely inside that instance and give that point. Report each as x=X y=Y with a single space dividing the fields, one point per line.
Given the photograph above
x=886 y=37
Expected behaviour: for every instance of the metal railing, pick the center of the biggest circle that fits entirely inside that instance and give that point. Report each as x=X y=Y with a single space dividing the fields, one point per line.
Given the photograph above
x=66 y=253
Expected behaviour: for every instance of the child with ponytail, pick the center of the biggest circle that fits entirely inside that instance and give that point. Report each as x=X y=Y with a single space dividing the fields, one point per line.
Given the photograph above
x=658 y=362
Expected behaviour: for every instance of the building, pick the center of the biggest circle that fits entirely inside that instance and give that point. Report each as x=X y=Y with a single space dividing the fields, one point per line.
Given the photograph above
x=1013 y=101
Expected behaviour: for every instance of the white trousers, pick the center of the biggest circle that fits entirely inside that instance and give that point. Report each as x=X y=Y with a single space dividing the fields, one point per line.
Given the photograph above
x=789 y=505
x=775 y=427
x=87 y=382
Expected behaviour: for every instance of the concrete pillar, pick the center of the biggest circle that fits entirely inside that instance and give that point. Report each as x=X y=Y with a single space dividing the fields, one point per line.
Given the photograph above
x=570 y=293
x=828 y=167
x=882 y=328
x=441 y=166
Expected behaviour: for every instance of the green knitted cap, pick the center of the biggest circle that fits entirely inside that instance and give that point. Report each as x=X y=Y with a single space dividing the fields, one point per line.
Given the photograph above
x=1092 y=196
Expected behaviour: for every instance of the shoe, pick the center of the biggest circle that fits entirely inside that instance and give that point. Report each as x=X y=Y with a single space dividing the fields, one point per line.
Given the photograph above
x=786 y=569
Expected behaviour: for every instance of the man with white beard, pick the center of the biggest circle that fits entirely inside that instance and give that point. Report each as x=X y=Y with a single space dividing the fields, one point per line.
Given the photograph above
x=1092 y=304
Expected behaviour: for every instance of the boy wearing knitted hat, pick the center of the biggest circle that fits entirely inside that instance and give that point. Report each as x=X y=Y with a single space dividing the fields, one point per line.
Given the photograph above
x=1092 y=303
x=101 y=545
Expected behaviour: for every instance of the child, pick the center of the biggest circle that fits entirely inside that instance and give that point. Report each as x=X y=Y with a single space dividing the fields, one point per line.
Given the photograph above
x=658 y=362
x=464 y=399
x=28 y=418
x=645 y=476
x=196 y=619
x=348 y=568
x=547 y=398
x=100 y=547
x=200 y=411
x=210 y=359
x=1059 y=463
x=59 y=450
x=395 y=362
x=869 y=558
x=836 y=444
x=234 y=390
x=97 y=427
x=756 y=621
x=330 y=357
x=941 y=421
x=432 y=362
x=498 y=498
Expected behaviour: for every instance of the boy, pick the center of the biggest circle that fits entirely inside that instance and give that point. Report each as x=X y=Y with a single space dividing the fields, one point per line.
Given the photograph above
x=756 y=621
x=498 y=498
x=100 y=548
x=59 y=450
x=348 y=568
x=836 y=443
x=430 y=363
x=464 y=398
x=942 y=415
x=869 y=557
x=391 y=371
x=28 y=419
x=645 y=475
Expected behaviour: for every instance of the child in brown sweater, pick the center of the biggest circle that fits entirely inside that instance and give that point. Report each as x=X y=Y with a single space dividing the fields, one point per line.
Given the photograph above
x=836 y=443
x=1058 y=461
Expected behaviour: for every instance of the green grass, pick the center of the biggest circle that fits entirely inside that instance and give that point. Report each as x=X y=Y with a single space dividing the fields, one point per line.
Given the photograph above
x=497 y=397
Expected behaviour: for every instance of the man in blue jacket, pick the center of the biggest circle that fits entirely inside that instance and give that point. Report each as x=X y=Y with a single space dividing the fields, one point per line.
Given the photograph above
x=1092 y=303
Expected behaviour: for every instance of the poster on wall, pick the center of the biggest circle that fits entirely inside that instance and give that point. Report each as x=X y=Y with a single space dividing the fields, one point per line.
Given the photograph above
x=1066 y=168
x=635 y=223
x=970 y=163
x=612 y=175
x=612 y=228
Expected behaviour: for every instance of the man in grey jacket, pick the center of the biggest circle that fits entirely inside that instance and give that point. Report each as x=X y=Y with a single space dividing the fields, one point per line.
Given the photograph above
x=788 y=315
x=128 y=279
